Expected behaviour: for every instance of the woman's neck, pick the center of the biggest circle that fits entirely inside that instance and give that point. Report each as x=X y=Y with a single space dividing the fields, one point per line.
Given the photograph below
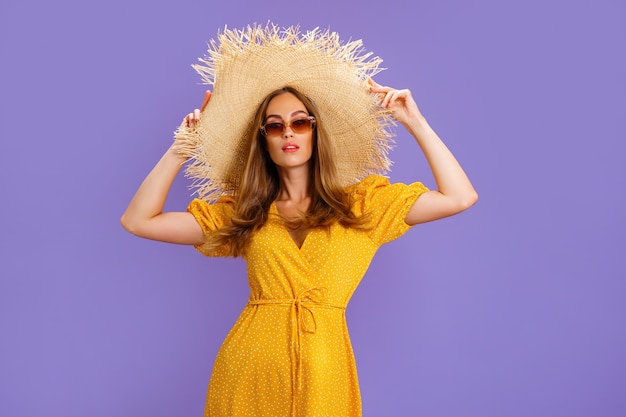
x=294 y=185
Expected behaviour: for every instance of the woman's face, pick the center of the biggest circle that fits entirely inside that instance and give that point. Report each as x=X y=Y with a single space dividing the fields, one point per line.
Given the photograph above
x=287 y=148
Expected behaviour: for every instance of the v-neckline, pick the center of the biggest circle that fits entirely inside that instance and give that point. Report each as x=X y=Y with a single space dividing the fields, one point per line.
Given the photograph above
x=285 y=229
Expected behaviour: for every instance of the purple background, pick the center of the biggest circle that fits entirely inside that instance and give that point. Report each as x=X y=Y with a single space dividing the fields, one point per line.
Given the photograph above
x=514 y=308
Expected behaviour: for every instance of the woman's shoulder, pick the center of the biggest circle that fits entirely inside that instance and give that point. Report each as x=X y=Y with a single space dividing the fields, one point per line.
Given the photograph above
x=378 y=193
x=368 y=184
x=225 y=200
x=215 y=211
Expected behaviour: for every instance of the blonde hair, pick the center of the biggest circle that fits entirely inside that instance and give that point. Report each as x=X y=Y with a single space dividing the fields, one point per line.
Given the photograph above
x=260 y=185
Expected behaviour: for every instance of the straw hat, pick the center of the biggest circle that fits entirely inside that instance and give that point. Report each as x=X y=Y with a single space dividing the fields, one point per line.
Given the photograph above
x=244 y=66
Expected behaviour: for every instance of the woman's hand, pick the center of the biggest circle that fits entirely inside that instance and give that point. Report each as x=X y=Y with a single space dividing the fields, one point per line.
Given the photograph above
x=194 y=117
x=400 y=102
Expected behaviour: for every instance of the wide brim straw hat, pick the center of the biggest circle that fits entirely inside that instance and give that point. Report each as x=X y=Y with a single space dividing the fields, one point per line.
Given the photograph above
x=244 y=66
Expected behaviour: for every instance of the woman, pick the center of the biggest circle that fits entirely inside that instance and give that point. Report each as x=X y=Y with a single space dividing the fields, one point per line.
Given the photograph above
x=306 y=233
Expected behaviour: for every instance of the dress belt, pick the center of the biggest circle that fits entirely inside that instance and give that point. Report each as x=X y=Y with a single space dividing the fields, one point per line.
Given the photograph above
x=300 y=306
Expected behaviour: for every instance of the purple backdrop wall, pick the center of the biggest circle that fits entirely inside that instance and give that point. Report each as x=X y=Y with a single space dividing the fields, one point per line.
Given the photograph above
x=514 y=308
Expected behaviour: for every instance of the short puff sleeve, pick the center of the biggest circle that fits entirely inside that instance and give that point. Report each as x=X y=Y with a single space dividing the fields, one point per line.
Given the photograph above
x=211 y=217
x=385 y=206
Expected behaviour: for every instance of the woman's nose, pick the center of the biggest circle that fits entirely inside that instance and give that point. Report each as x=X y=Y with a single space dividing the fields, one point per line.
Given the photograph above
x=288 y=132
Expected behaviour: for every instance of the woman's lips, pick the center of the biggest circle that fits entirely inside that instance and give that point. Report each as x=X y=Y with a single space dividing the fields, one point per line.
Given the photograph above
x=290 y=147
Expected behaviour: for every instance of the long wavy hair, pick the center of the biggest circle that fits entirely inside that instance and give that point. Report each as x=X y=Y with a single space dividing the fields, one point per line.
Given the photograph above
x=260 y=186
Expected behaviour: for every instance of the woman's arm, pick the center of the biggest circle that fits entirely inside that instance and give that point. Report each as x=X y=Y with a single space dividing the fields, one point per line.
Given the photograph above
x=144 y=215
x=455 y=191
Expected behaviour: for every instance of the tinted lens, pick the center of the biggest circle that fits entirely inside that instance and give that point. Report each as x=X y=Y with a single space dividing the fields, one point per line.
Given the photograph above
x=274 y=129
x=300 y=125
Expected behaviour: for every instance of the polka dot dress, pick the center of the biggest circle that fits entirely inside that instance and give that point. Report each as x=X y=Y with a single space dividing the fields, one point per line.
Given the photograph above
x=289 y=353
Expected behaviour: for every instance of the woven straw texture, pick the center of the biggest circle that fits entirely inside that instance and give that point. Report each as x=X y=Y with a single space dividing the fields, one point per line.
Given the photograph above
x=244 y=66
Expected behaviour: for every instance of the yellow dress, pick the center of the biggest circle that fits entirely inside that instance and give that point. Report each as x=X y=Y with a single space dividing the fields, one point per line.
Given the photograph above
x=289 y=353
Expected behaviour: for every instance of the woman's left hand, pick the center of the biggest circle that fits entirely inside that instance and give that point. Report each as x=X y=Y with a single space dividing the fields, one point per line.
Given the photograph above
x=400 y=102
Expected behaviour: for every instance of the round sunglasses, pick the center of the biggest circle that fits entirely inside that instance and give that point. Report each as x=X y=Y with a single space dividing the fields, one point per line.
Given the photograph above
x=301 y=125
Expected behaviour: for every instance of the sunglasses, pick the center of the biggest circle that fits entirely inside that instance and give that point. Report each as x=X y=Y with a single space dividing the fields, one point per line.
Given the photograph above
x=297 y=126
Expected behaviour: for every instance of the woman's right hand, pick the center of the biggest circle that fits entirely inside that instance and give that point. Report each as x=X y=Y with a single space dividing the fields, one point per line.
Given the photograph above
x=194 y=117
